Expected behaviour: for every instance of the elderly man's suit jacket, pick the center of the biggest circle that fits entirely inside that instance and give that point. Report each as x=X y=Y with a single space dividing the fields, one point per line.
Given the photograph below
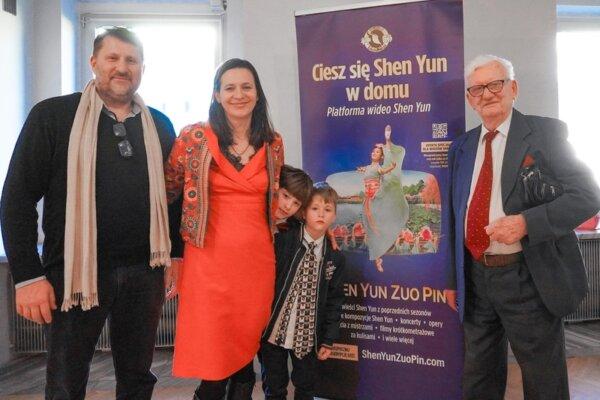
x=550 y=246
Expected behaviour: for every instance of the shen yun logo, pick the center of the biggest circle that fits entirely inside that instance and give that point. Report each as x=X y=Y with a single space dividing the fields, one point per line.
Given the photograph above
x=376 y=39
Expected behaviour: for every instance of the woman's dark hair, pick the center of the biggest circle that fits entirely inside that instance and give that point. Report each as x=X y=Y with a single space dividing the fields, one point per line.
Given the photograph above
x=261 y=128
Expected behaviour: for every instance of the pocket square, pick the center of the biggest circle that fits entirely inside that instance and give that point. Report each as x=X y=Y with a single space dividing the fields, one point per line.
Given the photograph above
x=527 y=161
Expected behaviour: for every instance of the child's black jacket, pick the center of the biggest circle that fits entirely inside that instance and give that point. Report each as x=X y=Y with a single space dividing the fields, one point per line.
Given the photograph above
x=289 y=251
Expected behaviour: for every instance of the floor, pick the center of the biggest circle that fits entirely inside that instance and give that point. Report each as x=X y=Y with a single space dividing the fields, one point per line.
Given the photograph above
x=24 y=378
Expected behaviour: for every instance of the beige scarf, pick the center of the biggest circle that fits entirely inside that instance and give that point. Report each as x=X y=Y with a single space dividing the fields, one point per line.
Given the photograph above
x=81 y=263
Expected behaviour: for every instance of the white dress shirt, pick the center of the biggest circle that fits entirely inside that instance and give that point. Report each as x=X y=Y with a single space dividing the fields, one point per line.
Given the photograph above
x=496 y=209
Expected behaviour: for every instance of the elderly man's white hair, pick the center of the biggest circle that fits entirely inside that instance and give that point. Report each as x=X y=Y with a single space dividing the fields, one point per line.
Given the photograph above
x=484 y=59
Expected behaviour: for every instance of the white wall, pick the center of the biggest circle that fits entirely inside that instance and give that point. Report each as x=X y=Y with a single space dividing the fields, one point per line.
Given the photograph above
x=53 y=31
x=46 y=45
x=69 y=33
x=233 y=30
x=523 y=31
x=13 y=77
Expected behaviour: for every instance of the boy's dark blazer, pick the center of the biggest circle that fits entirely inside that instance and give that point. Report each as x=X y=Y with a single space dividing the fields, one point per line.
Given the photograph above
x=550 y=246
x=289 y=251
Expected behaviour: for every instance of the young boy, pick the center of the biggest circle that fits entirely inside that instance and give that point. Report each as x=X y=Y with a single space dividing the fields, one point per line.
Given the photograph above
x=294 y=189
x=308 y=298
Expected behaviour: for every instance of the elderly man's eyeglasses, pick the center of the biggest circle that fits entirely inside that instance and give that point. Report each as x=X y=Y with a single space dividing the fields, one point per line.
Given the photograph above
x=493 y=87
x=124 y=146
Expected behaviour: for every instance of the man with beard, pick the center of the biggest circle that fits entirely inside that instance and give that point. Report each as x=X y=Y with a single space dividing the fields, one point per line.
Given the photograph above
x=96 y=158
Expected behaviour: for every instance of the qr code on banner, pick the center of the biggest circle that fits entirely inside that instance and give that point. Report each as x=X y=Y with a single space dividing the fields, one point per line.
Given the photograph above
x=439 y=131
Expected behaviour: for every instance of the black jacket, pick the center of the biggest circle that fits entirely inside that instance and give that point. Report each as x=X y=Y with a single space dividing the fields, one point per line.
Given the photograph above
x=289 y=251
x=550 y=246
x=38 y=169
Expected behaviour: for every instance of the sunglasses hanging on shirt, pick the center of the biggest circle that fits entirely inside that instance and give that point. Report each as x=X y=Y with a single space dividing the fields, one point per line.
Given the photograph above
x=125 y=148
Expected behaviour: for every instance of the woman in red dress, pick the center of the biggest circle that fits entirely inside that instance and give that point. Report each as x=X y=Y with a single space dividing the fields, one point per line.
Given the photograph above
x=227 y=170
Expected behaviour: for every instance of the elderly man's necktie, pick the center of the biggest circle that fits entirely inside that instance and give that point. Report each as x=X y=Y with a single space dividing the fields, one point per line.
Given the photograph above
x=477 y=240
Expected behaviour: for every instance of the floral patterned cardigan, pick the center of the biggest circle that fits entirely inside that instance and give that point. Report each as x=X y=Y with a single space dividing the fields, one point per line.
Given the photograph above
x=187 y=170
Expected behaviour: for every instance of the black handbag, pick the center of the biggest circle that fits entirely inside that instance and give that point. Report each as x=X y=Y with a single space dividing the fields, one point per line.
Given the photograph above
x=539 y=188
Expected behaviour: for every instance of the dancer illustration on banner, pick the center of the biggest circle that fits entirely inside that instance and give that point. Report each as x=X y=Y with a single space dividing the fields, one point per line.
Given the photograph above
x=385 y=209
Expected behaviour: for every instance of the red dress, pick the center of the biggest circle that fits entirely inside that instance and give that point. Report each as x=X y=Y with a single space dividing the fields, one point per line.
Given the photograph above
x=226 y=288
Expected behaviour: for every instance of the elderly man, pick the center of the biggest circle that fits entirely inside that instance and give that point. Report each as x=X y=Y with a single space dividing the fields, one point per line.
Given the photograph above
x=517 y=194
x=96 y=158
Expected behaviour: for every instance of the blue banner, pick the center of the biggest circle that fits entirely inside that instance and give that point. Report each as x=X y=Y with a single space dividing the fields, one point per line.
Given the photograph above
x=381 y=93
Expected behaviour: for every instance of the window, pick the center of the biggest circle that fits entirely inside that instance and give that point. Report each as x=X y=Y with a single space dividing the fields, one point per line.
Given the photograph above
x=180 y=57
x=578 y=59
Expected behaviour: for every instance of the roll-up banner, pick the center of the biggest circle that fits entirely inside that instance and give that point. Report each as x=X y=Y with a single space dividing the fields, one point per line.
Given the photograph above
x=382 y=97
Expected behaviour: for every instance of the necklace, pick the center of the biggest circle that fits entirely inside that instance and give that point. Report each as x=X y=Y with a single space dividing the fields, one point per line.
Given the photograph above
x=239 y=154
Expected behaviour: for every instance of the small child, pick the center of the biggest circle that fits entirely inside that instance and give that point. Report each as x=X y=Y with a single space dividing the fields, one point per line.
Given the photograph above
x=294 y=189
x=308 y=298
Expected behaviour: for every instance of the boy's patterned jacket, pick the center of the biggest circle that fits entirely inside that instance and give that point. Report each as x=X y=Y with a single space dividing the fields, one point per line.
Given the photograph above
x=289 y=251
